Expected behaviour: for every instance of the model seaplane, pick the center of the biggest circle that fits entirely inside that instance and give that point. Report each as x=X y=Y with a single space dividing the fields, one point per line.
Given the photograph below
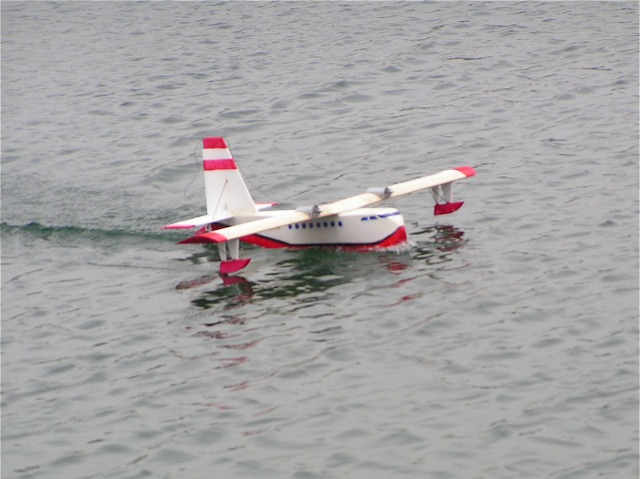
x=233 y=216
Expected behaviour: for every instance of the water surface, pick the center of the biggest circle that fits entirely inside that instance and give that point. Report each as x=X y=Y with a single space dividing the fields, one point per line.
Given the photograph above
x=504 y=343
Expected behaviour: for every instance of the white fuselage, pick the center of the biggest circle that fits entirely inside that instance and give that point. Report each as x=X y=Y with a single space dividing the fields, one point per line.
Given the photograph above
x=365 y=228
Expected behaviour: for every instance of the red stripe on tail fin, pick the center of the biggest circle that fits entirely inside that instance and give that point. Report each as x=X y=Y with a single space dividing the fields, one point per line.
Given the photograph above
x=214 y=142
x=211 y=165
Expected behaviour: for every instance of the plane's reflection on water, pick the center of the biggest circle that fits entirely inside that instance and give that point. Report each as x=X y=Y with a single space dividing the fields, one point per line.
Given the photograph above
x=443 y=240
x=304 y=273
x=301 y=273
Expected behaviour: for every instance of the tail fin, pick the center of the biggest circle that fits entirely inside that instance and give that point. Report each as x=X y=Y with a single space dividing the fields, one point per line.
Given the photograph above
x=226 y=193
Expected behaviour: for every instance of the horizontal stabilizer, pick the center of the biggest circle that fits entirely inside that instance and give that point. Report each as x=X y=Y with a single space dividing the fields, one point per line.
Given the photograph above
x=264 y=206
x=196 y=222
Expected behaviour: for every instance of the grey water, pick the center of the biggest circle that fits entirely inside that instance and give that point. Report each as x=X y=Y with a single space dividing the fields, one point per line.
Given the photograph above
x=502 y=344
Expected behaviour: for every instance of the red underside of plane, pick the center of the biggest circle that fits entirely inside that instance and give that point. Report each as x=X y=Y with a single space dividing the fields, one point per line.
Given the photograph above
x=398 y=237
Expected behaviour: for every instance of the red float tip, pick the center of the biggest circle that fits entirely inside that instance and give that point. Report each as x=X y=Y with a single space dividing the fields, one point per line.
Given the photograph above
x=233 y=265
x=446 y=208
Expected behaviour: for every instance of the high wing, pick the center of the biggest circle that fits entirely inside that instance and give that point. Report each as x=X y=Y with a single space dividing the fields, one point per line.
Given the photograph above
x=442 y=178
x=248 y=228
x=373 y=195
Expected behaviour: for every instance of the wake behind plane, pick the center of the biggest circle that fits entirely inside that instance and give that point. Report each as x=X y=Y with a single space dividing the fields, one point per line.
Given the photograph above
x=349 y=224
